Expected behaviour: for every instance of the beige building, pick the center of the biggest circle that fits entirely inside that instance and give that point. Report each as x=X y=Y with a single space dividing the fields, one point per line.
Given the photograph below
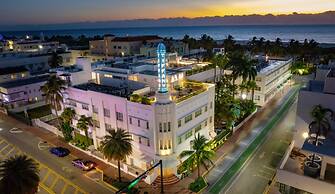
x=121 y=46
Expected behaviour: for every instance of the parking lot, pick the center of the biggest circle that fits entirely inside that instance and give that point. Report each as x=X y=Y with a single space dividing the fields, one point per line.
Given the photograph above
x=50 y=181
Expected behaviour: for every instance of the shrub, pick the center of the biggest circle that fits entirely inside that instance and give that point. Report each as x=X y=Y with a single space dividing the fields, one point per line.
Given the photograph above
x=67 y=132
x=198 y=184
x=81 y=141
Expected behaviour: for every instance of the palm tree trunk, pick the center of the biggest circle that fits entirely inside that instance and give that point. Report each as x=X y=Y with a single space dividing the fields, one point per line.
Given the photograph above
x=54 y=106
x=252 y=95
x=119 y=169
x=214 y=73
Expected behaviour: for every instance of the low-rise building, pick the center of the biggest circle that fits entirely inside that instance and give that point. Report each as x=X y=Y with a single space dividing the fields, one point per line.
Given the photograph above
x=23 y=45
x=121 y=46
x=162 y=123
x=292 y=175
x=22 y=91
x=13 y=73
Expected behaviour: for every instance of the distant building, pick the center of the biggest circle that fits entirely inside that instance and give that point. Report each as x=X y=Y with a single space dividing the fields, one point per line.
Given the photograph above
x=22 y=91
x=30 y=46
x=80 y=72
x=13 y=73
x=218 y=51
x=272 y=76
x=121 y=46
x=35 y=62
x=292 y=175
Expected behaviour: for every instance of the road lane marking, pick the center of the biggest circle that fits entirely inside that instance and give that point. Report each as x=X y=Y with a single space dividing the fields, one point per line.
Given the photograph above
x=270 y=168
x=2 y=149
x=13 y=148
x=261 y=176
x=15 y=130
x=42 y=145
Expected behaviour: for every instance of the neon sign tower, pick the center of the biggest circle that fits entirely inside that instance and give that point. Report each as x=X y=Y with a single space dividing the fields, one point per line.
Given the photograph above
x=161 y=62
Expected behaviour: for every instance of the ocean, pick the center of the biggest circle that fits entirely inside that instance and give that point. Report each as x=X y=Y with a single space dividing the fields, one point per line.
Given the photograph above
x=320 y=33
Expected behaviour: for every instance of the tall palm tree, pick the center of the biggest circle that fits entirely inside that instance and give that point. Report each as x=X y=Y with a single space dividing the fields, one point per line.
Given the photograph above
x=220 y=61
x=84 y=123
x=117 y=146
x=52 y=90
x=56 y=60
x=200 y=153
x=19 y=175
x=252 y=86
x=248 y=70
x=320 y=125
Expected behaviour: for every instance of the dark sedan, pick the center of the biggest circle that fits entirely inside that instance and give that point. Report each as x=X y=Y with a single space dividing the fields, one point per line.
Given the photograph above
x=59 y=151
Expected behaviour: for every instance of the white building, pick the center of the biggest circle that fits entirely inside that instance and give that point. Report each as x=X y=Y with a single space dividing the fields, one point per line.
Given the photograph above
x=161 y=129
x=291 y=176
x=78 y=73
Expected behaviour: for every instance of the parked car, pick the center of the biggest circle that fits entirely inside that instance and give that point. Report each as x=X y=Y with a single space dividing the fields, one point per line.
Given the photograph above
x=59 y=151
x=86 y=165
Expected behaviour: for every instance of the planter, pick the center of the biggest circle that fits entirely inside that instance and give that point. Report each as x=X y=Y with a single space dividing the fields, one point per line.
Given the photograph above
x=311 y=169
x=317 y=159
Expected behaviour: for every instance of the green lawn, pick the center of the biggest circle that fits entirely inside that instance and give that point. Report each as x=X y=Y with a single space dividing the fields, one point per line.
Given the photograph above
x=248 y=152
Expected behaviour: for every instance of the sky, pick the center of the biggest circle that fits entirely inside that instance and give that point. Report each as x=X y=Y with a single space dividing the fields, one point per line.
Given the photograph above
x=17 y=12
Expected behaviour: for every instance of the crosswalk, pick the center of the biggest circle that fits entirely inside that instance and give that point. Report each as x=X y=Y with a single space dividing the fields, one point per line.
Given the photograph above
x=50 y=181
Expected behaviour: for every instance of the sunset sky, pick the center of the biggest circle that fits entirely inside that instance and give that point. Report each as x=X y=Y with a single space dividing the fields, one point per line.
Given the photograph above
x=65 y=11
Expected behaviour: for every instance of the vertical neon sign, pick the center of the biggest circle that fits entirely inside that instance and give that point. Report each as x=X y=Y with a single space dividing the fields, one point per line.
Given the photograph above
x=161 y=62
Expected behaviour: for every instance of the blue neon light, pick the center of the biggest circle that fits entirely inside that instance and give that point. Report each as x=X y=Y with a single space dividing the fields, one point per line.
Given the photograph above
x=161 y=62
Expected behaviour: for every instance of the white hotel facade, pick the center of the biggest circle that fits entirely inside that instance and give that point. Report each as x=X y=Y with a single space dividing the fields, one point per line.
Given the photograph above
x=160 y=130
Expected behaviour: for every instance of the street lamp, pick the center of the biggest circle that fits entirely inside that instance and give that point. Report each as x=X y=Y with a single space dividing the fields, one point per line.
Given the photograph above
x=305 y=135
x=244 y=96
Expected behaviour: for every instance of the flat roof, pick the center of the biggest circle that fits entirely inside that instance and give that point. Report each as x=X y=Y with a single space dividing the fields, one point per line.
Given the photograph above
x=11 y=70
x=136 y=38
x=265 y=68
x=155 y=73
x=27 y=81
x=124 y=92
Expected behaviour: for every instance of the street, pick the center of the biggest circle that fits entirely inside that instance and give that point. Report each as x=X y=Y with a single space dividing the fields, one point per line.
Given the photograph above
x=260 y=169
x=57 y=175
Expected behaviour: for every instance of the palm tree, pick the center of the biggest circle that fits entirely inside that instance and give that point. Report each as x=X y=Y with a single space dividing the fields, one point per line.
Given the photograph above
x=248 y=70
x=220 y=61
x=52 y=90
x=320 y=125
x=56 y=60
x=84 y=123
x=117 y=146
x=200 y=153
x=19 y=175
x=67 y=115
x=252 y=86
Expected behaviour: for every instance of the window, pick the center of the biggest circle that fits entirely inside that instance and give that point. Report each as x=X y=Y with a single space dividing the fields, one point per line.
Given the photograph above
x=198 y=113
x=148 y=142
x=140 y=140
x=130 y=120
x=188 y=134
x=258 y=79
x=119 y=116
x=205 y=123
x=160 y=144
x=206 y=108
x=179 y=140
x=84 y=106
x=164 y=127
x=257 y=97
x=169 y=144
x=258 y=89
x=179 y=123
x=147 y=125
x=197 y=128
x=139 y=123
x=210 y=119
x=160 y=127
x=211 y=105
x=188 y=118
x=107 y=113
x=108 y=126
x=95 y=109
x=169 y=126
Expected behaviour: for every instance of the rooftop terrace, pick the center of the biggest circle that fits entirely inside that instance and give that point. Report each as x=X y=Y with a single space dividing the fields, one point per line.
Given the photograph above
x=22 y=82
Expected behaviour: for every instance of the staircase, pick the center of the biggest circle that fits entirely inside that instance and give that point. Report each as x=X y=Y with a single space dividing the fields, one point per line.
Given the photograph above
x=170 y=180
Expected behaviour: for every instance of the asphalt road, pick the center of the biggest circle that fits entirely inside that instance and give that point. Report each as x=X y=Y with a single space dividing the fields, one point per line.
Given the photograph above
x=257 y=172
x=28 y=143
